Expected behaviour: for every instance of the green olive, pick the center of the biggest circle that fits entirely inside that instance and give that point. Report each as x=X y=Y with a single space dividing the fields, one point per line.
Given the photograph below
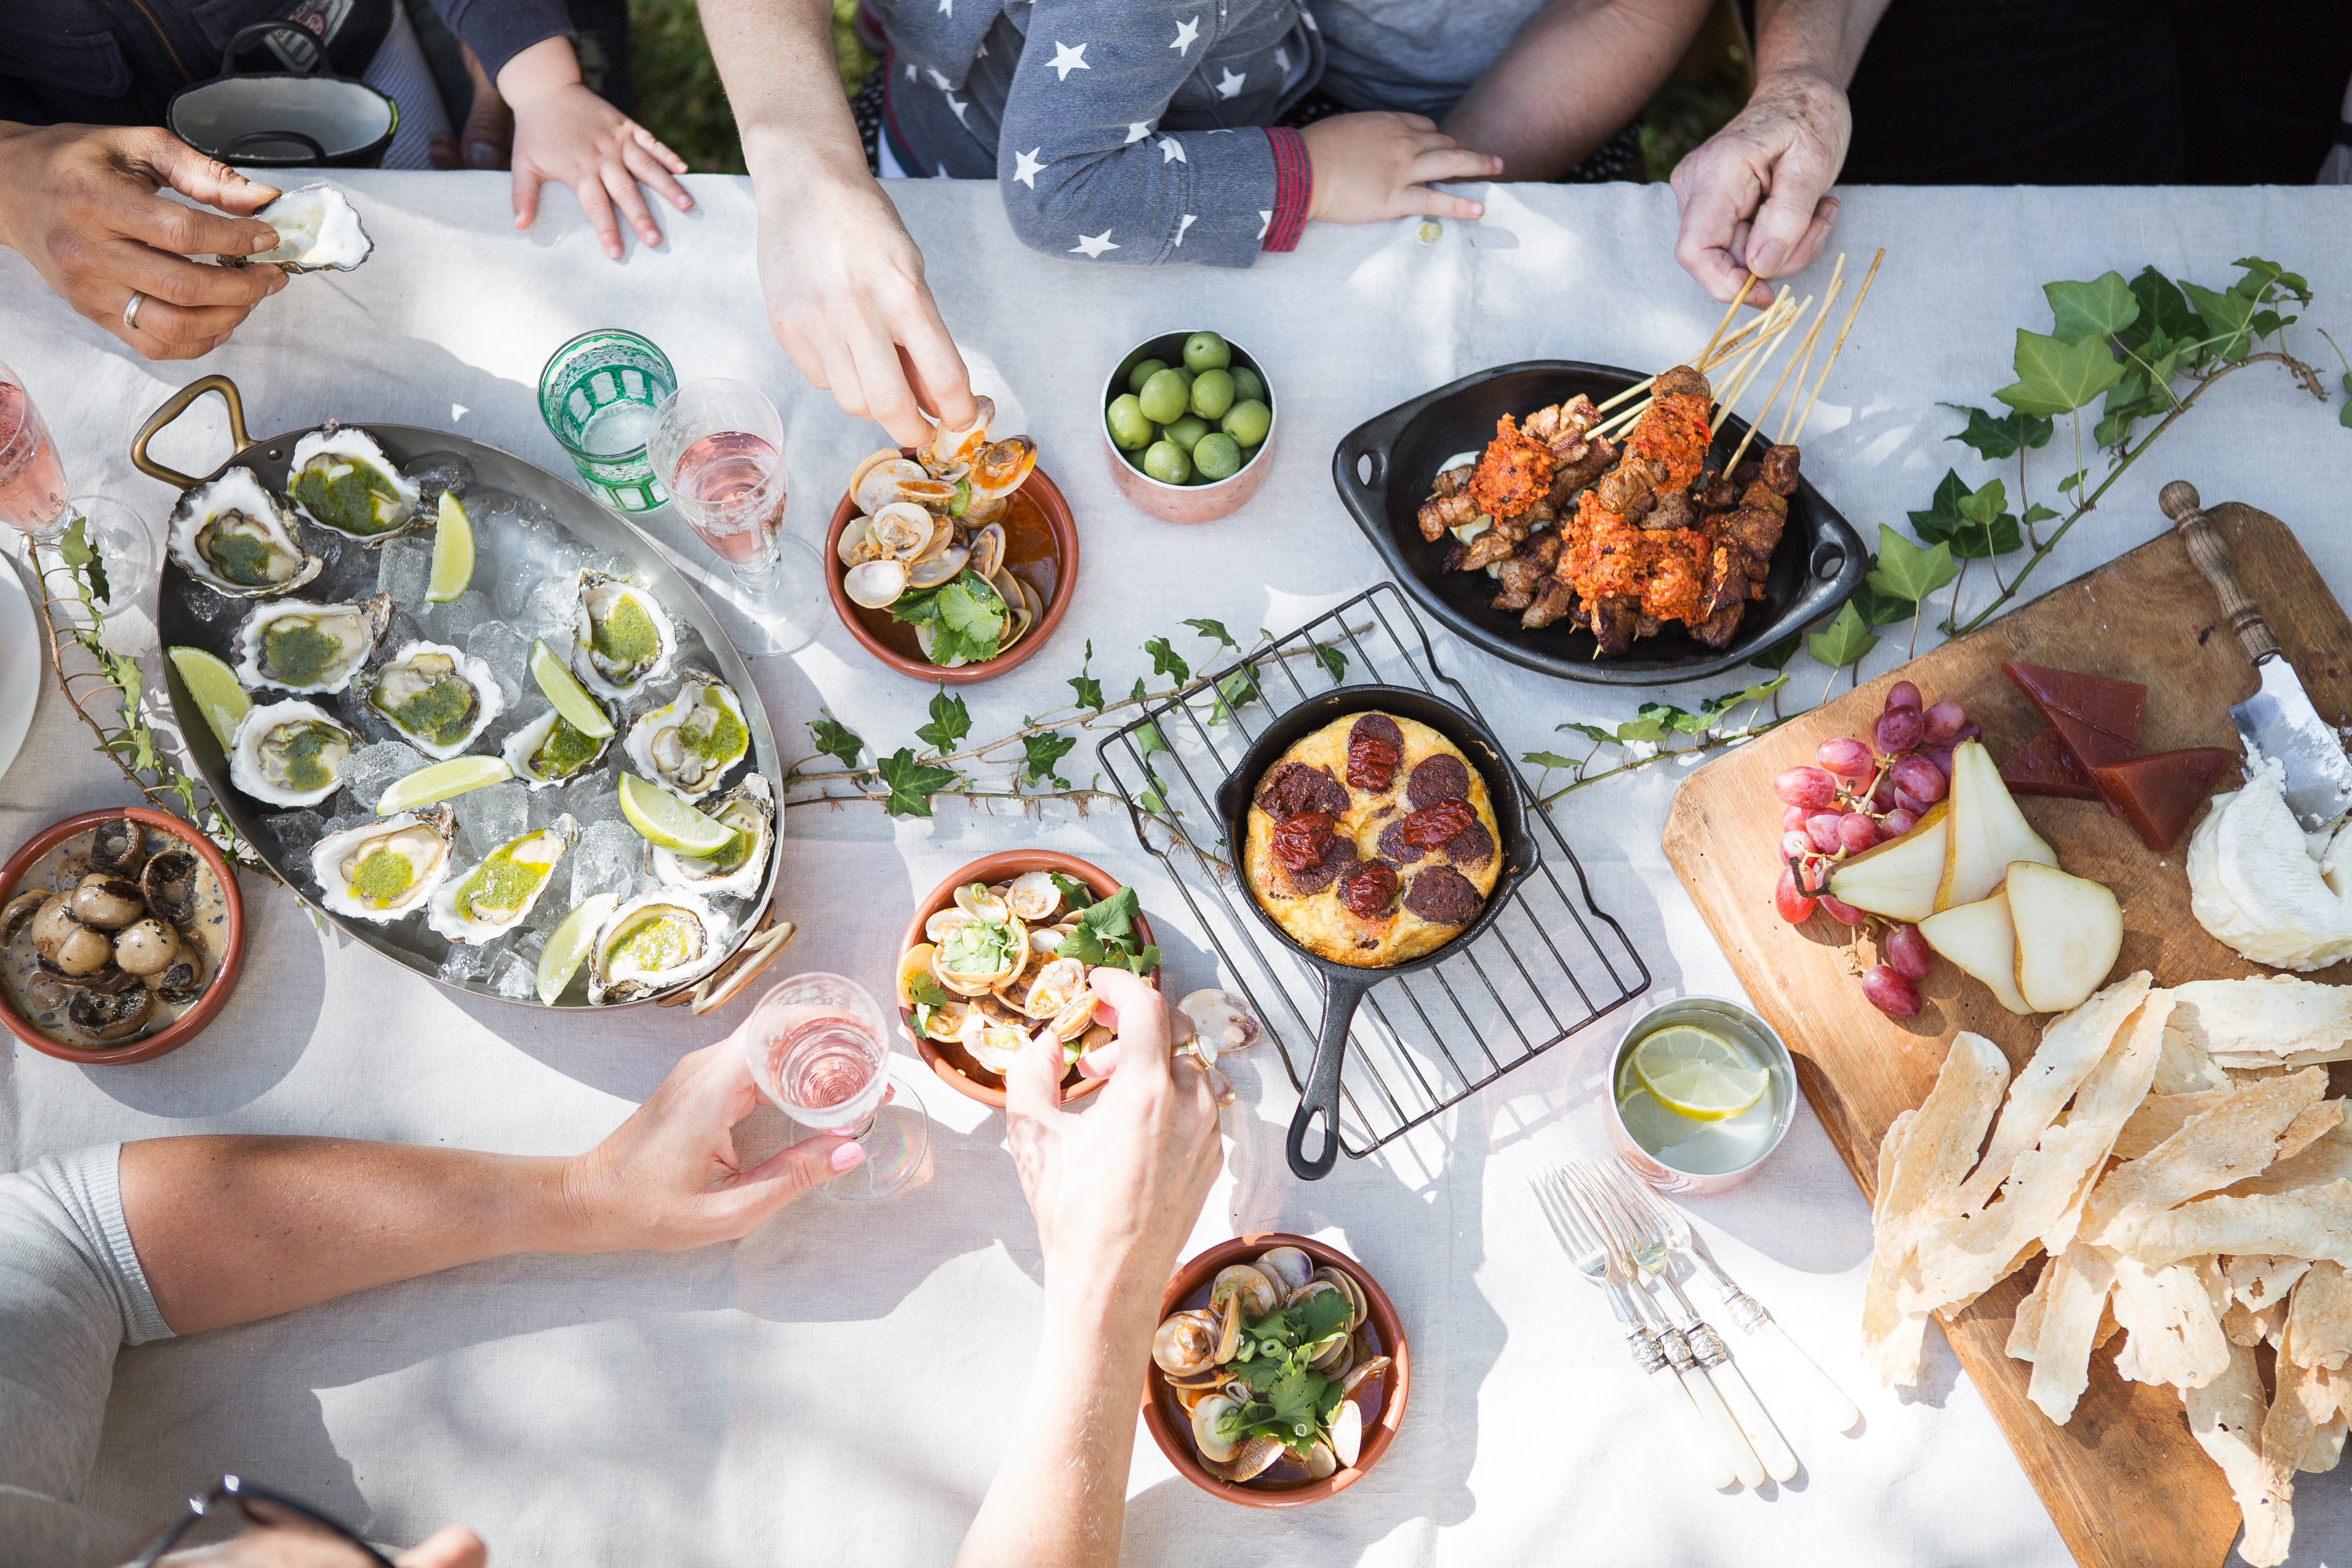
x=1212 y=393
x=1167 y=463
x=1165 y=396
x=1186 y=431
x=1144 y=370
x=1248 y=384
x=1206 y=350
x=1129 y=430
x=1218 y=457
x=1247 y=423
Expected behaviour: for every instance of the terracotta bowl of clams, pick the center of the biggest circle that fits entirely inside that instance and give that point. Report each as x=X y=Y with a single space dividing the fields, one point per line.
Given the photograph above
x=1222 y=1396
x=969 y=1021
x=121 y=935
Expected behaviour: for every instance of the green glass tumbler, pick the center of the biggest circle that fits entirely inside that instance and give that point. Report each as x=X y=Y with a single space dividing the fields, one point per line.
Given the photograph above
x=598 y=395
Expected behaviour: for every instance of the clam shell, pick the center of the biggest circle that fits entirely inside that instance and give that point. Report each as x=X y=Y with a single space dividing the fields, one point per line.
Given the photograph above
x=933 y=570
x=874 y=585
x=1033 y=896
x=904 y=529
x=1001 y=467
x=856 y=543
x=884 y=480
x=988 y=550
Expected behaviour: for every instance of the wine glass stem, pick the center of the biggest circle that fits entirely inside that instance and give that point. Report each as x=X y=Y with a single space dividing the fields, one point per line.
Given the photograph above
x=759 y=576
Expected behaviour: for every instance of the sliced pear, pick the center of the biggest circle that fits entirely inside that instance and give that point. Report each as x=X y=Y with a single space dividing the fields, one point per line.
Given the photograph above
x=2069 y=930
x=1982 y=939
x=1989 y=832
x=1897 y=879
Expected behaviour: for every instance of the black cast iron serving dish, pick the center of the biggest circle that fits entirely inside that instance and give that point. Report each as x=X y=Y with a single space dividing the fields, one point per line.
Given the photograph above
x=409 y=941
x=1384 y=468
x=1344 y=985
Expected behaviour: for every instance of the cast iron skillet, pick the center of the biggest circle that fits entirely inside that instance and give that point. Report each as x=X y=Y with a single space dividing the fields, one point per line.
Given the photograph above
x=1819 y=563
x=1344 y=985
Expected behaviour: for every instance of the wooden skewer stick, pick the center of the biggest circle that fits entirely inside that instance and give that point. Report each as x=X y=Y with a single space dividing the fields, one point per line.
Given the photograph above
x=1805 y=364
x=1728 y=312
x=1723 y=405
x=1774 y=320
x=1766 y=329
x=1850 y=315
x=1802 y=356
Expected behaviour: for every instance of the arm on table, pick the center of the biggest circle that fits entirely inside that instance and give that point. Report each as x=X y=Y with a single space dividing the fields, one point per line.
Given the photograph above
x=1115 y=1191
x=231 y=1228
x=842 y=278
x=1579 y=71
x=1753 y=195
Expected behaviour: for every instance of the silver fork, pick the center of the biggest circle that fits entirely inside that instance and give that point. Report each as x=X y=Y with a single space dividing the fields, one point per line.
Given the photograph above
x=1646 y=1245
x=1660 y=1352
x=1746 y=1311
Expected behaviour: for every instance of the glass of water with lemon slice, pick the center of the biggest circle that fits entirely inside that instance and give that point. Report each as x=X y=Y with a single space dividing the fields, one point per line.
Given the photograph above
x=1701 y=1090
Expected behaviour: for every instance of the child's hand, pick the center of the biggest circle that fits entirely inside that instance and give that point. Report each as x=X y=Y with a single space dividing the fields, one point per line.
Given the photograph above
x=563 y=131
x=1373 y=166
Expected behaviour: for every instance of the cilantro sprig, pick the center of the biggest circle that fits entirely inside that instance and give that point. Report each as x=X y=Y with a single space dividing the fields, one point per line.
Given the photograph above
x=1106 y=935
x=967 y=619
x=1294 y=1403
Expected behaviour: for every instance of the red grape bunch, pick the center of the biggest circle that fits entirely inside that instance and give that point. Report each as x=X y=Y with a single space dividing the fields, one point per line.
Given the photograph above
x=1854 y=796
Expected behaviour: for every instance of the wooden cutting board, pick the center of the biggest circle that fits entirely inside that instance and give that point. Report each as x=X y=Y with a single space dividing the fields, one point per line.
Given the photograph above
x=2124 y=1480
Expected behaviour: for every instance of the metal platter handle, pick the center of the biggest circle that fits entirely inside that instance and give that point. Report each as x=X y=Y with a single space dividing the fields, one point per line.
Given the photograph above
x=730 y=979
x=177 y=405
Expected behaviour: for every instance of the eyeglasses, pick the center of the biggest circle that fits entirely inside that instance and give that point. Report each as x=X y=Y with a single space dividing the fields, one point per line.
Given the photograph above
x=233 y=1510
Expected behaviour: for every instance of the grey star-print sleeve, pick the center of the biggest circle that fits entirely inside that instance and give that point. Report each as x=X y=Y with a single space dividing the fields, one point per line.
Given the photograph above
x=1136 y=130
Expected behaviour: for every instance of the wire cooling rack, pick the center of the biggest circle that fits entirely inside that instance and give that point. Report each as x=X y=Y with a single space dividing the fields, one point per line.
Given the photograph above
x=1548 y=965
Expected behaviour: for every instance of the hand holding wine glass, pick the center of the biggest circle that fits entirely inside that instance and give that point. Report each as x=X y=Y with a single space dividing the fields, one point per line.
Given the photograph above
x=818 y=1046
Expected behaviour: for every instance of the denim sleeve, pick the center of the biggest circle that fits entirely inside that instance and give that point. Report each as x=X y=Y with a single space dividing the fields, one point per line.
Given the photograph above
x=498 y=30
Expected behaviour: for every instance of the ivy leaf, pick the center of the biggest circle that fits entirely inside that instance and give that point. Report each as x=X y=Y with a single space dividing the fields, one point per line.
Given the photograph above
x=1654 y=721
x=1166 y=661
x=75 y=548
x=1149 y=740
x=1844 y=641
x=1777 y=655
x=1590 y=731
x=834 y=739
x=1994 y=439
x=2343 y=417
x=1235 y=691
x=1040 y=752
x=1877 y=606
x=2037 y=512
x=1760 y=692
x=1552 y=759
x=911 y=784
x=1088 y=688
x=1154 y=805
x=2091 y=309
x=2162 y=308
x=950 y=723
x=1140 y=694
x=1905 y=571
x=2262 y=275
x=2230 y=318
x=1971 y=522
x=2054 y=376
x=1214 y=629
x=1332 y=659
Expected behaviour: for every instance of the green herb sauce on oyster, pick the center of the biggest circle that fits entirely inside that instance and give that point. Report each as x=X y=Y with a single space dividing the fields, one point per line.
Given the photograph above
x=383 y=877
x=300 y=653
x=627 y=636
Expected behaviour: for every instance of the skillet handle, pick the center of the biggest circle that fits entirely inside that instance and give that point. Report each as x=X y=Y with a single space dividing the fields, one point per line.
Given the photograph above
x=1319 y=1104
x=177 y=405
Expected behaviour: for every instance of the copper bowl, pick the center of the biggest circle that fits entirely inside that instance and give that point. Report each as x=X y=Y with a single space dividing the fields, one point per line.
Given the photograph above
x=188 y=1024
x=861 y=623
x=1184 y=504
x=1172 y=1430
x=956 y=1069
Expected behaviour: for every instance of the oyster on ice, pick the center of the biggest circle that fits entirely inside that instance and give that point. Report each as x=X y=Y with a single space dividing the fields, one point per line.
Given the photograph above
x=622 y=638
x=689 y=745
x=342 y=480
x=655 y=943
x=439 y=698
x=751 y=810
x=316 y=227
x=289 y=754
x=498 y=895
x=384 y=869
x=235 y=537
x=299 y=646
x=551 y=751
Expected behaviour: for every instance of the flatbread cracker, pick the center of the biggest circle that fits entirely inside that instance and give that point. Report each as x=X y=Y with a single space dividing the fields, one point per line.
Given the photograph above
x=2319 y=1318
x=2309 y=1222
x=2076 y=1287
x=2313 y=1123
x=2160 y=1116
x=2172 y=1332
x=2261 y=1281
x=2226 y=1419
x=2073 y=1046
x=2184 y=1068
x=2237 y=1138
x=2266 y=1020
x=2328 y=1159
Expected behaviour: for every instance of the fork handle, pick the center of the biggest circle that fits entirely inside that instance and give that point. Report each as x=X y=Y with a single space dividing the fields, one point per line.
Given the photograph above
x=1771 y=1449
x=1729 y=1444
x=1708 y=1456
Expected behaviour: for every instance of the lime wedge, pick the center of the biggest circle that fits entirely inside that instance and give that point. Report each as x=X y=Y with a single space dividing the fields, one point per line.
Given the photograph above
x=441 y=781
x=567 y=944
x=583 y=712
x=1697 y=1074
x=214 y=686
x=453 y=553
x=668 y=823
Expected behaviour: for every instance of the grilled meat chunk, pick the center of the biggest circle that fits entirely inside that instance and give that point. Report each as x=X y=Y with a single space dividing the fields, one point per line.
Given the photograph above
x=1780 y=469
x=1675 y=510
x=1554 y=599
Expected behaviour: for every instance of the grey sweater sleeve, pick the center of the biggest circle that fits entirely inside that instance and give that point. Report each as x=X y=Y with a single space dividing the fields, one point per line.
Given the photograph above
x=71 y=1294
x=498 y=30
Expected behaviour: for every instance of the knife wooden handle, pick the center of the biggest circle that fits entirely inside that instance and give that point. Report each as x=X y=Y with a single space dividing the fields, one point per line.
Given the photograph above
x=2179 y=502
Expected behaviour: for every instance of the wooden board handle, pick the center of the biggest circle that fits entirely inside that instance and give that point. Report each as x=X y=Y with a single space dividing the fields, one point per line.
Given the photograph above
x=2211 y=557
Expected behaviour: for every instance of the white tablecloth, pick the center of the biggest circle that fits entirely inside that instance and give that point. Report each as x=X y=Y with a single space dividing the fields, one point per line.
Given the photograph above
x=837 y=1387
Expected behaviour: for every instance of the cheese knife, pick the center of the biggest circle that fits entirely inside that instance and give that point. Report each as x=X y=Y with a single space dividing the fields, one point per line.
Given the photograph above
x=2278 y=721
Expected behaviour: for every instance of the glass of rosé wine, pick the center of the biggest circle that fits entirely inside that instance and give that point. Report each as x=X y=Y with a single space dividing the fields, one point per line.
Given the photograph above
x=719 y=445
x=819 y=1048
x=33 y=500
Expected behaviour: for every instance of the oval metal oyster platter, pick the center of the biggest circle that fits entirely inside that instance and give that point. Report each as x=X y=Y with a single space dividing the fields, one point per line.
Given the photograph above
x=190 y=613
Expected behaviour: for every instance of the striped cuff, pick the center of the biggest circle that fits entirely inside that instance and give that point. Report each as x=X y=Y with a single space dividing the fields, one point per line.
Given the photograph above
x=1294 y=185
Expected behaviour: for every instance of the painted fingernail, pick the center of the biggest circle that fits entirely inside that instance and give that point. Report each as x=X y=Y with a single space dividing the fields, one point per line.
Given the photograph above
x=848 y=1157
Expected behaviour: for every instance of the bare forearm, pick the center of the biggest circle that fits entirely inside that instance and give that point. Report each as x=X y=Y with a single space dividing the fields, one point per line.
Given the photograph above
x=1821 y=37
x=1578 y=71
x=776 y=60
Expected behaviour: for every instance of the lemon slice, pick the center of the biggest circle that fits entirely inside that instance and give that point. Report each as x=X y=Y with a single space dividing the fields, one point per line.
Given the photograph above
x=1652 y=1125
x=441 y=781
x=583 y=712
x=453 y=553
x=213 y=685
x=668 y=823
x=1697 y=1074
x=567 y=944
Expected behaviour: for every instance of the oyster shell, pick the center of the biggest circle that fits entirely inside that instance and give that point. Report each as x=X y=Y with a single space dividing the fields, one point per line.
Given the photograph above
x=342 y=480
x=689 y=745
x=439 y=698
x=622 y=638
x=302 y=648
x=493 y=898
x=237 y=538
x=382 y=870
x=655 y=943
x=316 y=227
x=289 y=754
x=549 y=751
x=735 y=871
